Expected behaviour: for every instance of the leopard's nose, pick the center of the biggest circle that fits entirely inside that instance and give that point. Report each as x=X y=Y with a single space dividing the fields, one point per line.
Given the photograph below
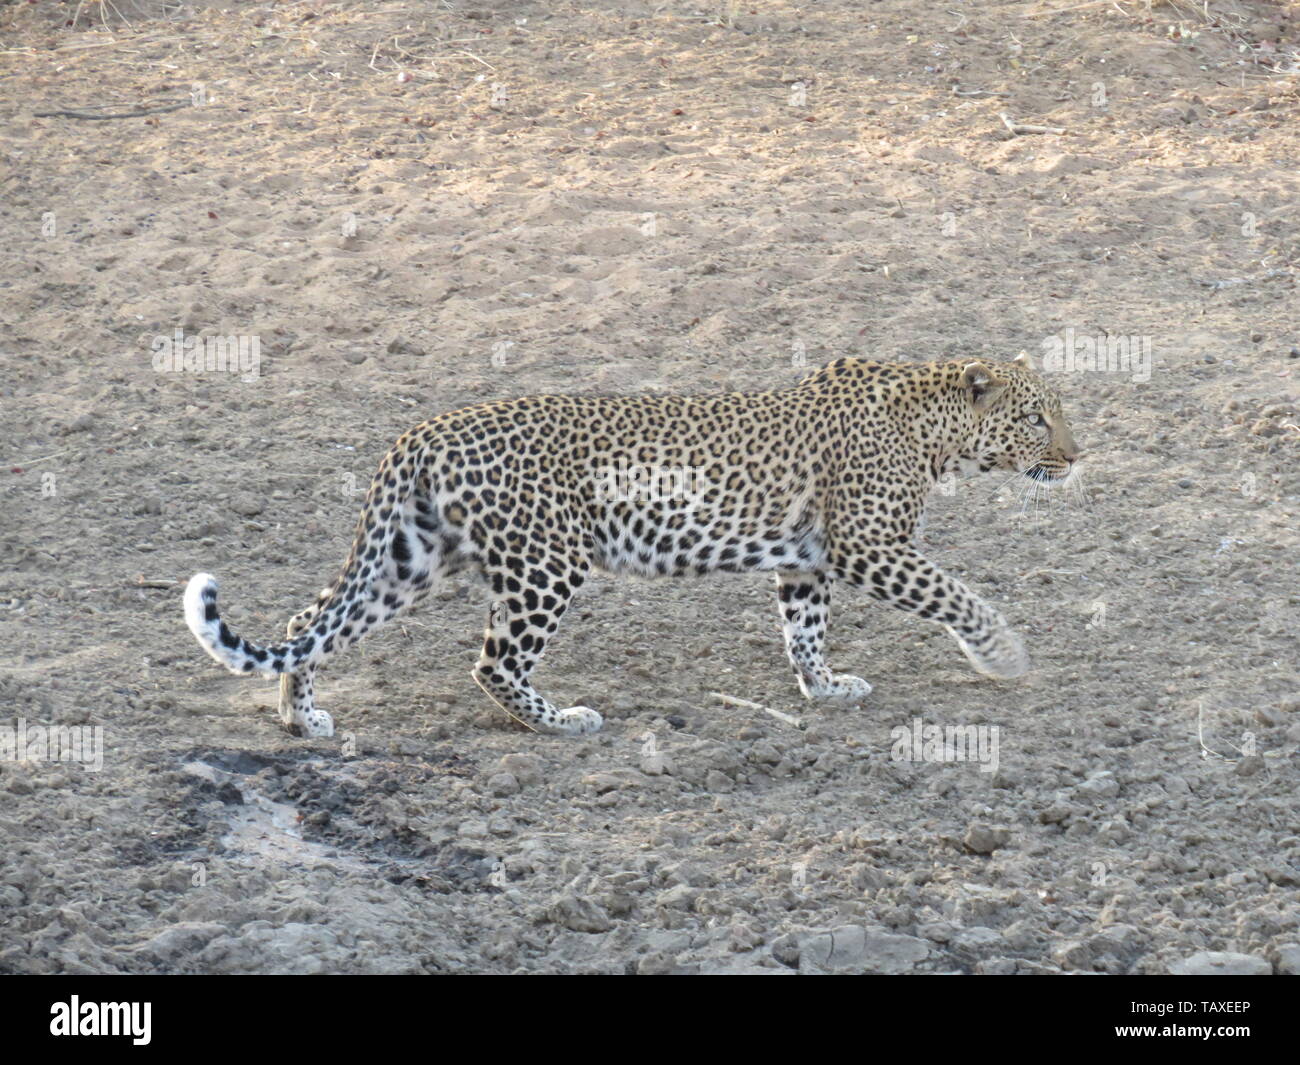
x=1070 y=451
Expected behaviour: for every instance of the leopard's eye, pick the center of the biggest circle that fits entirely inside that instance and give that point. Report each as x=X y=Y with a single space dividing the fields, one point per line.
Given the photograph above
x=1036 y=420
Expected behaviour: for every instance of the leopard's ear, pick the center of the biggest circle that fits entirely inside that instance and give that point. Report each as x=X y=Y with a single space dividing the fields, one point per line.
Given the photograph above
x=1023 y=360
x=982 y=385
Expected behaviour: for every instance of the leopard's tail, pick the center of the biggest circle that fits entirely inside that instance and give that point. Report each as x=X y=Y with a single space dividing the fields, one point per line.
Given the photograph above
x=396 y=554
x=233 y=651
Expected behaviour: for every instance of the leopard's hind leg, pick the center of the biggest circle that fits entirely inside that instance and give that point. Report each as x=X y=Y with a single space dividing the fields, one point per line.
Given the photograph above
x=526 y=611
x=370 y=596
x=298 y=711
x=805 y=604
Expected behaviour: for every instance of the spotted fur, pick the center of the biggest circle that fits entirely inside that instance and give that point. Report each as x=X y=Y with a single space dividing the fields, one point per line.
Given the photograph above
x=821 y=482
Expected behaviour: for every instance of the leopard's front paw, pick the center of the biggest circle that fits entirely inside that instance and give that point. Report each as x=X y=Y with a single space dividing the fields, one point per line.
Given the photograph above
x=319 y=723
x=578 y=721
x=999 y=654
x=843 y=689
x=314 y=724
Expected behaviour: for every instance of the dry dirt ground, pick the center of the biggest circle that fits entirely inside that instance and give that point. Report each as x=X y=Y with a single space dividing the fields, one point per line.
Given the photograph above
x=415 y=206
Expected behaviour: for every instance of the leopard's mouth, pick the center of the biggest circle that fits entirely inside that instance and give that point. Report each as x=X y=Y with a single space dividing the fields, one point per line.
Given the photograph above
x=1041 y=472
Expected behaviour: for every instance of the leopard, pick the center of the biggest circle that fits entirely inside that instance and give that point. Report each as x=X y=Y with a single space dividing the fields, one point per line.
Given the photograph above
x=822 y=482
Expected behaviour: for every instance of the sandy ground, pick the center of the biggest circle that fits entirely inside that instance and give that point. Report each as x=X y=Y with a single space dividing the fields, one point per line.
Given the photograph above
x=415 y=206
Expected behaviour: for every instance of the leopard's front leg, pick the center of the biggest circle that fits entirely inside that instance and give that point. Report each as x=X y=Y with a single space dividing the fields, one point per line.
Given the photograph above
x=903 y=578
x=805 y=603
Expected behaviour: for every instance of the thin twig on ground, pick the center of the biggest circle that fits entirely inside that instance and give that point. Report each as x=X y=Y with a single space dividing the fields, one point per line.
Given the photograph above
x=780 y=715
x=1017 y=128
x=120 y=114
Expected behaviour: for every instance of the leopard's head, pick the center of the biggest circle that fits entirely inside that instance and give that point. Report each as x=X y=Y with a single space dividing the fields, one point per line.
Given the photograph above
x=1014 y=422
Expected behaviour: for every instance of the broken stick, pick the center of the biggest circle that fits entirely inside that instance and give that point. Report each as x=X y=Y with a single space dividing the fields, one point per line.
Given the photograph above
x=1017 y=128
x=731 y=700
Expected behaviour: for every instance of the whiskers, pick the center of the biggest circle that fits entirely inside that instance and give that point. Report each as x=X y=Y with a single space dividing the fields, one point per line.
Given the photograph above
x=1038 y=497
x=1002 y=485
x=1076 y=489
x=1033 y=492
